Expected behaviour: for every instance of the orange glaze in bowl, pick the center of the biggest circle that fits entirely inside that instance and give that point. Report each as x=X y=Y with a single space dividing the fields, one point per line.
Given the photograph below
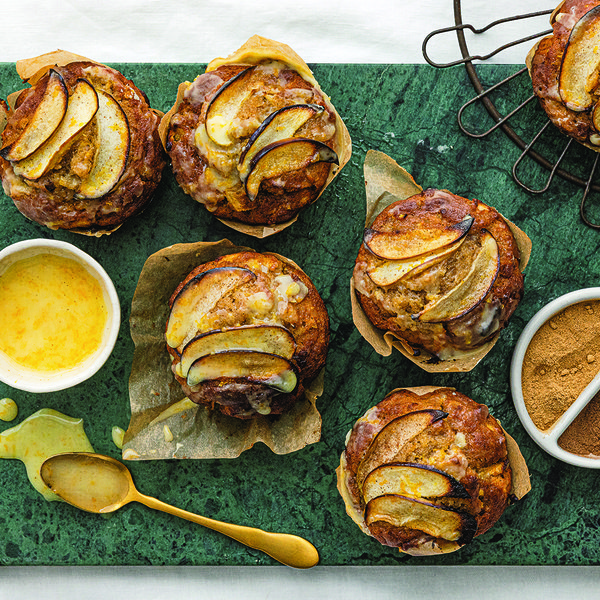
x=59 y=315
x=52 y=313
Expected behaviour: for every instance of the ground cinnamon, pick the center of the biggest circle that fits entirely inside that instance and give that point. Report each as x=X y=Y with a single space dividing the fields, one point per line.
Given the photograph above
x=583 y=435
x=562 y=358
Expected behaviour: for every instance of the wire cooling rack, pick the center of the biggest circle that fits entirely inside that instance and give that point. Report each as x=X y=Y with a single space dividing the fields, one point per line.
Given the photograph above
x=554 y=153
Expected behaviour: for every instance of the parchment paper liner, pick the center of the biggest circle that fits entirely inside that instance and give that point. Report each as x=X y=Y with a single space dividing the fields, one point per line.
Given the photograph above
x=521 y=483
x=386 y=182
x=31 y=70
x=157 y=399
x=255 y=50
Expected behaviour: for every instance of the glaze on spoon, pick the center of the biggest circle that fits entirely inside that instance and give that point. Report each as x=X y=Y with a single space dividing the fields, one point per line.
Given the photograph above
x=101 y=484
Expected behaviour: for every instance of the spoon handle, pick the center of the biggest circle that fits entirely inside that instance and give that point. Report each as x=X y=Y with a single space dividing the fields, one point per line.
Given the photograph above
x=290 y=550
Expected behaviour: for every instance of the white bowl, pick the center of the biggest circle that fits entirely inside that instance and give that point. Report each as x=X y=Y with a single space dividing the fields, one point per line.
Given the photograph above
x=32 y=381
x=548 y=440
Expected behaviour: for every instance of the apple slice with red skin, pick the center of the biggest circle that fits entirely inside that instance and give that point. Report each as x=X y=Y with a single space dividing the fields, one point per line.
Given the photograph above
x=225 y=105
x=432 y=519
x=391 y=271
x=199 y=296
x=578 y=75
x=469 y=292
x=285 y=156
x=254 y=367
x=410 y=479
x=279 y=125
x=393 y=437
x=113 y=149
x=43 y=123
x=271 y=339
x=81 y=108
x=401 y=245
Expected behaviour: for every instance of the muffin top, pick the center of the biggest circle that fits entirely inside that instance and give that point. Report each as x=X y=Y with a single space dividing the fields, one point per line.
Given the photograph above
x=256 y=324
x=253 y=143
x=80 y=149
x=564 y=71
x=425 y=473
x=439 y=271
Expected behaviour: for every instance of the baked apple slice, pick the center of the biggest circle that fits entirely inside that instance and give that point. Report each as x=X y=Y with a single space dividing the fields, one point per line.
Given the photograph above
x=401 y=245
x=43 y=123
x=199 y=296
x=271 y=339
x=285 y=156
x=225 y=105
x=3 y=117
x=81 y=108
x=410 y=479
x=393 y=437
x=596 y=116
x=465 y=296
x=113 y=149
x=432 y=519
x=255 y=367
x=279 y=125
x=391 y=271
x=578 y=75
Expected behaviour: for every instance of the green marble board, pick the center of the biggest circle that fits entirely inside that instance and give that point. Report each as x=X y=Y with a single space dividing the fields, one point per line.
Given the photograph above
x=408 y=112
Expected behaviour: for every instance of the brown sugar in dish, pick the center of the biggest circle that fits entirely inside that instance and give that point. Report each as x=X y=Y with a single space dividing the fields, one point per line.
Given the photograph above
x=561 y=360
x=582 y=436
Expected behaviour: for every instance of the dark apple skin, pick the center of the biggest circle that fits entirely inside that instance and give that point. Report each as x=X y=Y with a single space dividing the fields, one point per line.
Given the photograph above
x=324 y=154
x=455 y=488
x=314 y=108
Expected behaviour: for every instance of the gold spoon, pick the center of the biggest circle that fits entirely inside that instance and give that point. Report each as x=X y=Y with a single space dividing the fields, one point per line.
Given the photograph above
x=101 y=484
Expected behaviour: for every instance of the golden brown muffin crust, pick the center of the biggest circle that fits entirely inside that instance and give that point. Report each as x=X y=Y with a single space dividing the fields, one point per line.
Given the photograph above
x=468 y=444
x=260 y=302
x=545 y=69
x=390 y=308
x=280 y=198
x=52 y=199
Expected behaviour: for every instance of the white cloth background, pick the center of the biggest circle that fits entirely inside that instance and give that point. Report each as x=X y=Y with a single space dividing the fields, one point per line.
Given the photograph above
x=352 y=31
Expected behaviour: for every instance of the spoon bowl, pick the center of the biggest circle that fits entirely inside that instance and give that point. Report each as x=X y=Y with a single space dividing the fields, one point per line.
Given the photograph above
x=100 y=484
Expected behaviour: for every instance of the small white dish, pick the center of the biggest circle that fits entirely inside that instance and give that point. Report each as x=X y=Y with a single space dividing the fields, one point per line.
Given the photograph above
x=38 y=382
x=548 y=440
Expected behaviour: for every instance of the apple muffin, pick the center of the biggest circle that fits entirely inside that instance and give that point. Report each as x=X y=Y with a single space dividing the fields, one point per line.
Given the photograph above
x=247 y=333
x=565 y=68
x=440 y=272
x=254 y=139
x=425 y=472
x=80 y=149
